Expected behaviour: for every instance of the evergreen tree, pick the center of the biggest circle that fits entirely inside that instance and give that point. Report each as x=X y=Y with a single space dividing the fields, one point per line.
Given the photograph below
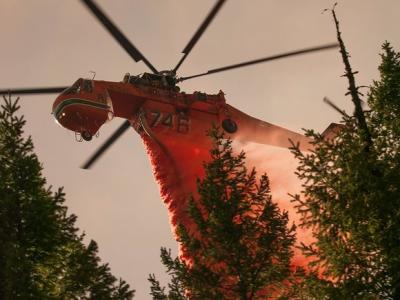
x=242 y=246
x=352 y=194
x=41 y=254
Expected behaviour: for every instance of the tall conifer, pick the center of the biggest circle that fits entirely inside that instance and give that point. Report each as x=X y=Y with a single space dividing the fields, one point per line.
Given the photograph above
x=243 y=245
x=41 y=254
x=352 y=194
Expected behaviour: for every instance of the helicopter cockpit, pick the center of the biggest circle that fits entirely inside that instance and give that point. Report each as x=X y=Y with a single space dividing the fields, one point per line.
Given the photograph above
x=81 y=85
x=80 y=109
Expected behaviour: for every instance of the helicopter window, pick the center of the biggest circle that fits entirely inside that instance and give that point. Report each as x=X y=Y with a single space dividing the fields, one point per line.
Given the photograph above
x=73 y=89
x=87 y=85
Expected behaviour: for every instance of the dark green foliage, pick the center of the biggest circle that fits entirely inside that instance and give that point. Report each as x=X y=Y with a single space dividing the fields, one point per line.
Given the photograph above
x=242 y=246
x=41 y=255
x=352 y=197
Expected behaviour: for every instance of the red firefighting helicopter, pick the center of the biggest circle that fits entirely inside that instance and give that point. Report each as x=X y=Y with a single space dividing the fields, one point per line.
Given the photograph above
x=153 y=104
x=171 y=123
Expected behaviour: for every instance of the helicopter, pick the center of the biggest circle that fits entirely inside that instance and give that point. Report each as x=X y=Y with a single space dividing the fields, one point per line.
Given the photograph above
x=172 y=123
x=93 y=105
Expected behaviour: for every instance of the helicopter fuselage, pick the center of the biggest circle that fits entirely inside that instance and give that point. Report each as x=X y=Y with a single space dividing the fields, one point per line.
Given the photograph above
x=160 y=107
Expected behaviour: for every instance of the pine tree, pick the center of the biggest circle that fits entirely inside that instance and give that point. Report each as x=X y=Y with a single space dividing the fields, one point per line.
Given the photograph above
x=243 y=245
x=41 y=254
x=352 y=194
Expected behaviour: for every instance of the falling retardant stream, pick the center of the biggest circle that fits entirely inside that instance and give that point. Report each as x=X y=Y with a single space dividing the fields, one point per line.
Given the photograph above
x=177 y=163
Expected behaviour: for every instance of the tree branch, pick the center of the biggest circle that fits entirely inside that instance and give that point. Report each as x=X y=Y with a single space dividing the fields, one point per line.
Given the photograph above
x=353 y=89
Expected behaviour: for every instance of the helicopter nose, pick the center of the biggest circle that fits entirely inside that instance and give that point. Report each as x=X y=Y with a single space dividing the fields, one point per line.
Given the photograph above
x=82 y=115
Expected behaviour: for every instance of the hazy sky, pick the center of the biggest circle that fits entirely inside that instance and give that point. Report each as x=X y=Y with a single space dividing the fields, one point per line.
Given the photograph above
x=52 y=43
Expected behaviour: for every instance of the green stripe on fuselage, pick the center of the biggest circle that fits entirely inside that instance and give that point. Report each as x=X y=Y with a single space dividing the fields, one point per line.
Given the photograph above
x=77 y=101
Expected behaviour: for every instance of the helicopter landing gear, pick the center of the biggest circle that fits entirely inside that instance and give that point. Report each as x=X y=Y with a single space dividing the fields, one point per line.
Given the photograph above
x=229 y=125
x=87 y=136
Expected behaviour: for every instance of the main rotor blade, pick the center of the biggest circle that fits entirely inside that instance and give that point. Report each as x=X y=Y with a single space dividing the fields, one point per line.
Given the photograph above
x=262 y=60
x=24 y=91
x=117 y=34
x=99 y=152
x=200 y=31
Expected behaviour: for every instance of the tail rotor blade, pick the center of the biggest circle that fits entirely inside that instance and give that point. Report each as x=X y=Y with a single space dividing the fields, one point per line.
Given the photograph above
x=103 y=148
x=335 y=107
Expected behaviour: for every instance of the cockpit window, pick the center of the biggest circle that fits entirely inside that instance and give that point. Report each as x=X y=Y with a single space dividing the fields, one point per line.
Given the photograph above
x=87 y=85
x=73 y=89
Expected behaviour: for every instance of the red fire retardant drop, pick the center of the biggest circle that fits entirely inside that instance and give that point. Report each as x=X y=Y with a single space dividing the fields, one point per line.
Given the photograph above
x=177 y=163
